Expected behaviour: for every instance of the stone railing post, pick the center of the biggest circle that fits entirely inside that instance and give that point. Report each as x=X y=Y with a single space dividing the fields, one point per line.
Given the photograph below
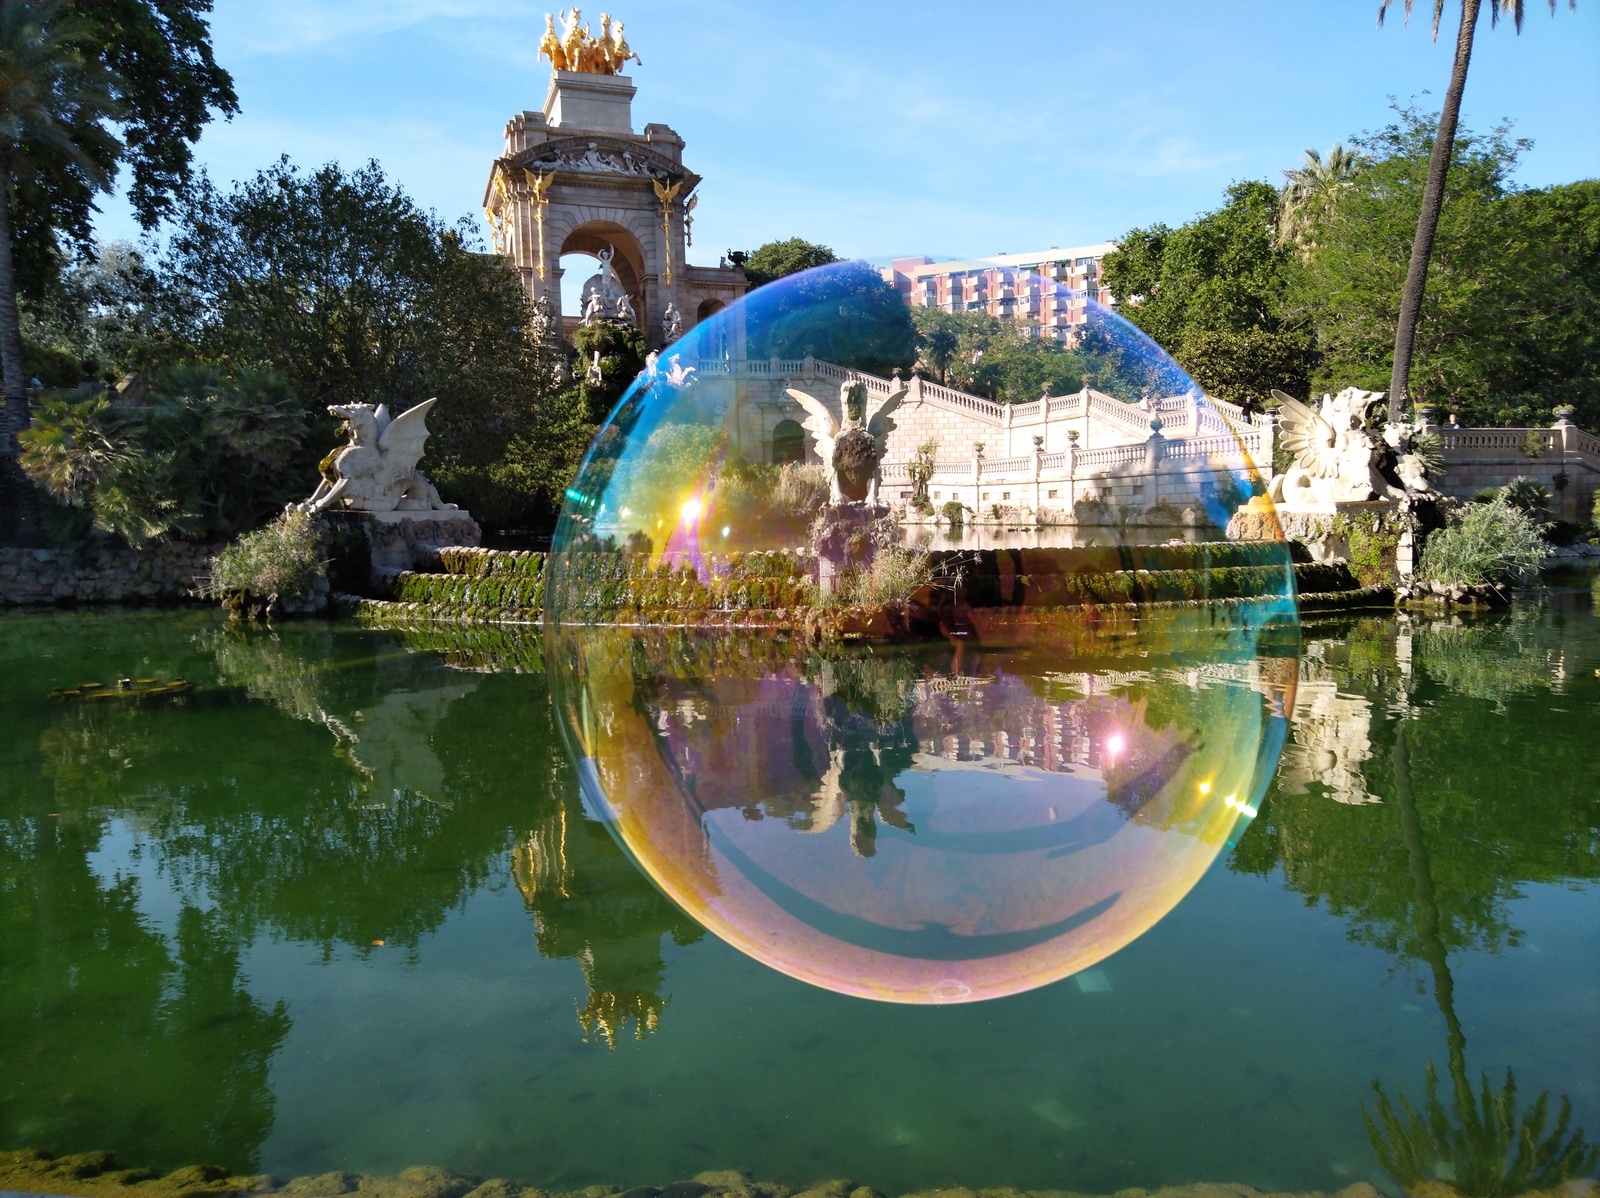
x=1152 y=462
x=1269 y=443
x=1072 y=469
x=1005 y=423
x=1564 y=436
x=808 y=370
x=1191 y=403
x=914 y=390
x=1038 y=469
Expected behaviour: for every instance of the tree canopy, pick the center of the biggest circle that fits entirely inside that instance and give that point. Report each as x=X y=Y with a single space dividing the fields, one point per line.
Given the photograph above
x=776 y=259
x=1508 y=324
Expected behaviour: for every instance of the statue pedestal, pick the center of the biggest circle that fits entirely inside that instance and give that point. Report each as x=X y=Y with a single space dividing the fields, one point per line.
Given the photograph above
x=845 y=544
x=1380 y=528
x=369 y=548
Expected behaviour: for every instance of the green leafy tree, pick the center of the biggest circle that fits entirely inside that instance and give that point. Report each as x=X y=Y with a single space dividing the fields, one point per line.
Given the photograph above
x=98 y=319
x=75 y=76
x=1510 y=323
x=356 y=295
x=56 y=101
x=1433 y=194
x=1214 y=294
x=844 y=313
x=776 y=259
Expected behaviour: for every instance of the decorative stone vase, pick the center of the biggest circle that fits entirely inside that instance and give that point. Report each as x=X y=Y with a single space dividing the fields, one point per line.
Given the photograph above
x=1563 y=414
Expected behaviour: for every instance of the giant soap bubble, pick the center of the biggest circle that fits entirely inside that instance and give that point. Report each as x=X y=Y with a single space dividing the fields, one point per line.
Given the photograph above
x=915 y=691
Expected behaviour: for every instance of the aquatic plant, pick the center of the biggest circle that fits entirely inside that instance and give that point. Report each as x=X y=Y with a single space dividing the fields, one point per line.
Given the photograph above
x=1491 y=1152
x=283 y=559
x=1485 y=543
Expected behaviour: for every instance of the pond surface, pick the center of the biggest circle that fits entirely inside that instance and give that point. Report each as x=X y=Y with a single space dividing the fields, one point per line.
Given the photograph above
x=341 y=906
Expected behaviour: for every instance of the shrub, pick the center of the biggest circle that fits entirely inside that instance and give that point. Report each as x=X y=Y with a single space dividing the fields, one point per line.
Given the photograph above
x=953 y=513
x=1491 y=542
x=801 y=489
x=896 y=573
x=283 y=559
x=1528 y=496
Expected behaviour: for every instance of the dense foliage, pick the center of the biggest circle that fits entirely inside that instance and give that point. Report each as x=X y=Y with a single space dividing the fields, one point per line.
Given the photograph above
x=1508 y=324
x=283 y=558
x=776 y=259
x=1495 y=542
x=206 y=457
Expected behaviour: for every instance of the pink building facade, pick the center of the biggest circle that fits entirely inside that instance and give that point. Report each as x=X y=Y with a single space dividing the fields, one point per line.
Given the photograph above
x=1045 y=292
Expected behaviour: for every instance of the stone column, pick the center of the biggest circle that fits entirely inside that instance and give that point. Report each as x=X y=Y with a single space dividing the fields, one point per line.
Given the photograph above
x=1269 y=440
x=1005 y=423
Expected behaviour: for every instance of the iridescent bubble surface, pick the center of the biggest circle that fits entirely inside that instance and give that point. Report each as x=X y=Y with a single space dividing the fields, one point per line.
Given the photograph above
x=1004 y=803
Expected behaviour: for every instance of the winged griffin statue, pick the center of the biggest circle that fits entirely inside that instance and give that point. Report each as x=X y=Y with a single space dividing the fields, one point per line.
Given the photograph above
x=377 y=470
x=852 y=446
x=1338 y=459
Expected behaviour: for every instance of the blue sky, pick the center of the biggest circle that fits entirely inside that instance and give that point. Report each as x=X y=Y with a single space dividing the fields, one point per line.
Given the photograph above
x=882 y=129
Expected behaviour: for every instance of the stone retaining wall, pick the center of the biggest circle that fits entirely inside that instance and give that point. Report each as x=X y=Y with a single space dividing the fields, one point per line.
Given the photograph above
x=156 y=573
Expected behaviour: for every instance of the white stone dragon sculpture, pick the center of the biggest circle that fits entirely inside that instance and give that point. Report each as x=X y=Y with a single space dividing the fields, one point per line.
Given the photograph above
x=377 y=470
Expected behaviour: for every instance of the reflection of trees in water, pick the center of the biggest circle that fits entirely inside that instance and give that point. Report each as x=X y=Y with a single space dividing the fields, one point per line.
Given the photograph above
x=393 y=792
x=1429 y=867
x=108 y=1018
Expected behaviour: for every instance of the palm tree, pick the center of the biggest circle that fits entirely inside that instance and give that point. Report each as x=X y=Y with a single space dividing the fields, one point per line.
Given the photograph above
x=54 y=103
x=1438 y=168
x=1311 y=189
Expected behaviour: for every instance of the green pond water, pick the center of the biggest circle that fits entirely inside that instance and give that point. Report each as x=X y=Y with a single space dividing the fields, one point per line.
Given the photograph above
x=340 y=906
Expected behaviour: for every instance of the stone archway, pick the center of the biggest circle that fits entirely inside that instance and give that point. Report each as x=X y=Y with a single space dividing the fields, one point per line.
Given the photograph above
x=788 y=442
x=708 y=309
x=629 y=261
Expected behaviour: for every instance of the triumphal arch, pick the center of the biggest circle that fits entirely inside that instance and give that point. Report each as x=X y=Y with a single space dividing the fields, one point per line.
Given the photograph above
x=576 y=178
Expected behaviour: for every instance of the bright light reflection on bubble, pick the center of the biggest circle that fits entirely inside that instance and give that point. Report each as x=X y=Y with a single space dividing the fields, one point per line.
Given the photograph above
x=998 y=805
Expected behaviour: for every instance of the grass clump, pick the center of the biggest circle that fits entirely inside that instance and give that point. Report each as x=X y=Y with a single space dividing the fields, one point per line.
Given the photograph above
x=1486 y=544
x=284 y=559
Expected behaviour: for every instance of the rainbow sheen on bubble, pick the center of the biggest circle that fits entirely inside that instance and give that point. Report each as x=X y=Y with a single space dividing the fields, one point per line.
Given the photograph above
x=1031 y=774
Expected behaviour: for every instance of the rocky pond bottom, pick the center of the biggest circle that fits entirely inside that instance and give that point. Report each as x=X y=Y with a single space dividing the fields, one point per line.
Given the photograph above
x=335 y=911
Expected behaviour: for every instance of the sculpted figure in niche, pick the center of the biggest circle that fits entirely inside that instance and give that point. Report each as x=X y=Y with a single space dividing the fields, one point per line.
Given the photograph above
x=593 y=307
x=377 y=470
x=674 y=323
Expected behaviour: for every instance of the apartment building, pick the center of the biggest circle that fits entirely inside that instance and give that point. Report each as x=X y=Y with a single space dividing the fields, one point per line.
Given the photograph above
x=1047 y=292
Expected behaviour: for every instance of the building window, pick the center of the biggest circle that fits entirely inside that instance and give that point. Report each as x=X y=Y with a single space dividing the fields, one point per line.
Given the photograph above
x=908 y=494
x=1005 y=494
x=1052 y=494
x=788 y=442
x=986 y=494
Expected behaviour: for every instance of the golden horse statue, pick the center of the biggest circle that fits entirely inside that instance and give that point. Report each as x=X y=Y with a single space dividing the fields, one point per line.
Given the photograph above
x=574 y=49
